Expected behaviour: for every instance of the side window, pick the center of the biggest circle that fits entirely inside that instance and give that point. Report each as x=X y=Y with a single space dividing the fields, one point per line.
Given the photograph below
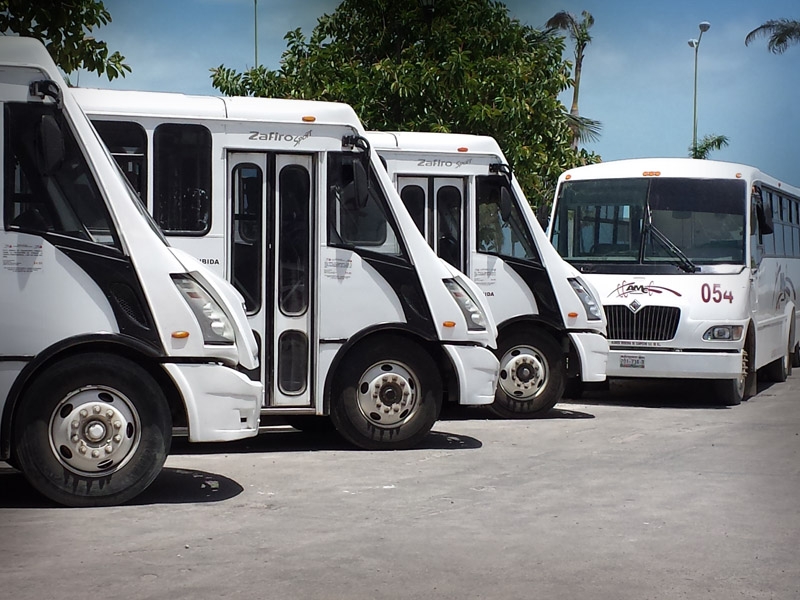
x=127 y=142
x=413 y=196
x=358 y=211
x=502 y=229
x=769 y=240
x=294 y=239
x=248 y=182
x=182 y=179
x=448 y=217
x=49 y=187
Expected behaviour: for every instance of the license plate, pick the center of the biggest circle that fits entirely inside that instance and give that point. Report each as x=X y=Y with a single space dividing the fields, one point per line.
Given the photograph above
x=631 y=361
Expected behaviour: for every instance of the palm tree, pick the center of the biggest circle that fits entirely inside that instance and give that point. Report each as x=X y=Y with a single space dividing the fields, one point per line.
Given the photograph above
x=579 y=32
x=708 y=144
x=782 y=33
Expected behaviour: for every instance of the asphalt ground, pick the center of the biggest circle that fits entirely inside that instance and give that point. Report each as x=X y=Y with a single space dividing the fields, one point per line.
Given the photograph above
x=645 y=491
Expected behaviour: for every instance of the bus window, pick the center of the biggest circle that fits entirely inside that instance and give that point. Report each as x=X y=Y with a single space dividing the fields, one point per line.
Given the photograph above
x=295 y=232
x=448 y=209
x=501 y=226
x=248 y=182
x=127 y=142
x=364 y=224
x=182 y=178
x=50 y=194
x=413 y=197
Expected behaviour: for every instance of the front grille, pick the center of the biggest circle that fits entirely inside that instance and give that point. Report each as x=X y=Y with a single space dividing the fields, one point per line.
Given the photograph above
x=649 y=323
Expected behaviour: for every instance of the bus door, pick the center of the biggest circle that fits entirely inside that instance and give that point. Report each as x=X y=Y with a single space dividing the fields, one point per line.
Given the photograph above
x=271 y=261
x=437 y=207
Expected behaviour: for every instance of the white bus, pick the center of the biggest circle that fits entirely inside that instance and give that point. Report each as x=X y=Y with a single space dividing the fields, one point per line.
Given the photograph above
x=462 y=194
x=357 y=318
x=697 y=263
x=110 y=339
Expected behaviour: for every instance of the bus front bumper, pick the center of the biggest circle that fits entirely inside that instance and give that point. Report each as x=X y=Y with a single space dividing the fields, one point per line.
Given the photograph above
x=221 y=403
x=478 y=370
x=686 y=365
x=592 y=349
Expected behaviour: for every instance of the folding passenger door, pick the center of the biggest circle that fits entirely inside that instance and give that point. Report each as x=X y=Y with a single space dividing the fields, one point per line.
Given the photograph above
x=437 y=207
x=271 y=260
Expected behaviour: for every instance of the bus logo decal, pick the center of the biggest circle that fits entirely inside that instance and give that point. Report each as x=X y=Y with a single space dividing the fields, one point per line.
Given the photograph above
x=625 y=289
x=635 y=306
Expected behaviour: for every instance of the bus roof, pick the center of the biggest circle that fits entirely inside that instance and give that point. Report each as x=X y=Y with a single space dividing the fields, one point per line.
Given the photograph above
x=454 y=143
x=175 y=105
x=674 y=167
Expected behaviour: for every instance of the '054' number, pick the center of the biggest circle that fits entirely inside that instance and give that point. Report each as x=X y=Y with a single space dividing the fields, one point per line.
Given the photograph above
x=715 y=293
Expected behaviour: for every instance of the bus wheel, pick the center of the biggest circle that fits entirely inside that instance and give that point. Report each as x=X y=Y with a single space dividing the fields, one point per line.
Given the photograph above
x=532 y=375
x=386 y=395
x=92 y=430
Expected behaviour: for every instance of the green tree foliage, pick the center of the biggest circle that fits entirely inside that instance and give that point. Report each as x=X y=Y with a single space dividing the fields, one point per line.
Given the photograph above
x=707 y=145
x=582 y=128
x=466 y=67
x=780 y=34
x=64 y=26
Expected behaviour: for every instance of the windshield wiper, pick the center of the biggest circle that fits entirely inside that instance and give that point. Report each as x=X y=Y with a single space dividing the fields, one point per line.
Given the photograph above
x=684 y=262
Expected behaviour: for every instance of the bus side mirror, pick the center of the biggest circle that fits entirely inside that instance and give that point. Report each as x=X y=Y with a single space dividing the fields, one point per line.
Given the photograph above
x=505 y=204
x=49 y=145
x=361 y=184
x=765 y=226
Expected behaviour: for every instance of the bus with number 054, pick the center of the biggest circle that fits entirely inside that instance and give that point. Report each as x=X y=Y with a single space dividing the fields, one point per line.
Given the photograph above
x=697 y=263
x=359 y=323
x=109 y=338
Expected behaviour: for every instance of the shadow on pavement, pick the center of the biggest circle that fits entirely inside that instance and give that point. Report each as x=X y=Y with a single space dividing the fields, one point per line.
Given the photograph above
x=172 y=486
x=286 y=439
x=466 y=413
x=657 y=393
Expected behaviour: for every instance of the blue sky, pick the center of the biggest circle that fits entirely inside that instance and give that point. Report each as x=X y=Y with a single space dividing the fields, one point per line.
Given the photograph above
x=638 y=73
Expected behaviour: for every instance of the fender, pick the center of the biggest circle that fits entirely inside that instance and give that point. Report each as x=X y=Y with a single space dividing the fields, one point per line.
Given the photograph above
x=110 y=342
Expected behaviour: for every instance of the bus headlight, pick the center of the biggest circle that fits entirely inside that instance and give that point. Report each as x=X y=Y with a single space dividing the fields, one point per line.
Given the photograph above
x=593 y=310
x=476 y=320
x=728 y=333
x=214 y=323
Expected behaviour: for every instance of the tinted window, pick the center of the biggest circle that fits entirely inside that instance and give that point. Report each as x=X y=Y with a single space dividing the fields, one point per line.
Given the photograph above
x=502 y=229
x=182 y=178
x=127 y=143
x=294 y=239
x=247 y=182
x=47 y=190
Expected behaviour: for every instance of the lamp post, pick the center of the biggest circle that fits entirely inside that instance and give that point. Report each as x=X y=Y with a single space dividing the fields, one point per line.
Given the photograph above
x=255 y=28
x=704 y=26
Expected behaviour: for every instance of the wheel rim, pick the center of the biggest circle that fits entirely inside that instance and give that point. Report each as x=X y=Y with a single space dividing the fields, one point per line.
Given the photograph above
x=94 y=431
x=741 y=381
x=388 y=394
x=523 y=373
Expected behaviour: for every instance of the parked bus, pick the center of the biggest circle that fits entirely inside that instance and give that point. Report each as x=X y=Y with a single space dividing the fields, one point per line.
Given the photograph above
x=357 y=318
x=463 y=196
x=110 y=338
x=697 y=264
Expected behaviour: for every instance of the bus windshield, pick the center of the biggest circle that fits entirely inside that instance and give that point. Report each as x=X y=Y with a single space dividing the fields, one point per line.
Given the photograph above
x=680 y=221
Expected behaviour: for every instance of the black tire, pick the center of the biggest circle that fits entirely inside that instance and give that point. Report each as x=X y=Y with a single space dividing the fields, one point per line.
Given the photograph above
x=778 y=369
x=731 y=392
x=532 y=375
x=796 y=356
x=386 y=395
x=92 y=430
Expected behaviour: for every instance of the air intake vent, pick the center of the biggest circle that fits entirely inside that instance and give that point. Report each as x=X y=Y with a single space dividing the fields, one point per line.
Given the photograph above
x=128 y=303
x=646 y=323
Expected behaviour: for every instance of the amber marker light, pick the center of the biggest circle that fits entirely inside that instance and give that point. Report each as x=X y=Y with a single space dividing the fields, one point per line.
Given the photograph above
x=572 y=315
x=651 y=173
x=449 y=323
x=309 y=119
x=462 y=149
x=738 y=176
x=180 y=335
x=568 y=177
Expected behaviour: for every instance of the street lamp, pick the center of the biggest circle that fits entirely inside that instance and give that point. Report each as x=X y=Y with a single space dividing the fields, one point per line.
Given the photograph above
x=704 y=26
